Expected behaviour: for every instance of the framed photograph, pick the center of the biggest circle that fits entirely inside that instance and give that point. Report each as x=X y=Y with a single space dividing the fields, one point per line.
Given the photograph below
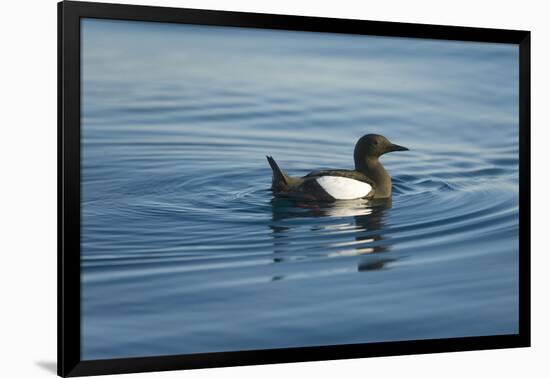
x=239 y=188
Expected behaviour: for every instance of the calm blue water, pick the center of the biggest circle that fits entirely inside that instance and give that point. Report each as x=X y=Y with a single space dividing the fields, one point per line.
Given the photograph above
x=185 y=251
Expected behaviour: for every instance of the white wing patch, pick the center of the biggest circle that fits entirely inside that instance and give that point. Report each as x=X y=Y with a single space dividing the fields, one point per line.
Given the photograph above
x=343 y=187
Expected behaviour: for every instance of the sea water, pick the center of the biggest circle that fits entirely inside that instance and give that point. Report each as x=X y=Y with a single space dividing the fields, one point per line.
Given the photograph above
x=185 y=250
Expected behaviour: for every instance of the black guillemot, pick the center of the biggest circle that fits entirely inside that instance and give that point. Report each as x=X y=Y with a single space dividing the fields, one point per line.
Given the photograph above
x=369 y=179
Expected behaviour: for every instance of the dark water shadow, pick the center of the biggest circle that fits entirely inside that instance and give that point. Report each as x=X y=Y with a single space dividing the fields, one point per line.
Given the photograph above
x=49 y=366
x=369 y=242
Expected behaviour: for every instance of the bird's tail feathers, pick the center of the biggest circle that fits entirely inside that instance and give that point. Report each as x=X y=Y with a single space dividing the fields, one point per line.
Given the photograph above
x=280 y=179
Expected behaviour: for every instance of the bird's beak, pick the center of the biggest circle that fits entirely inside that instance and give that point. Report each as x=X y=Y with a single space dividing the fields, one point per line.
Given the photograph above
x=396 y=147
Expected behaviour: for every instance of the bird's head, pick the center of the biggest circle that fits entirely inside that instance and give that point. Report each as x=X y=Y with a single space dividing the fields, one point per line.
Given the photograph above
x=374 y=146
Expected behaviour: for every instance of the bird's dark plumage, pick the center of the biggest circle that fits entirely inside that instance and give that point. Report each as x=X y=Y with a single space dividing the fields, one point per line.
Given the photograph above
x=368 y=180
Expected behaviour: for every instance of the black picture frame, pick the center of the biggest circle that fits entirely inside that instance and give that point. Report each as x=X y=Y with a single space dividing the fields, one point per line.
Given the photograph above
x=69 y=336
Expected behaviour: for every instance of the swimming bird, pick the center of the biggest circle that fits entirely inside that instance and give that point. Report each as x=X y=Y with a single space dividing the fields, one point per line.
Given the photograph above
x=368 y=180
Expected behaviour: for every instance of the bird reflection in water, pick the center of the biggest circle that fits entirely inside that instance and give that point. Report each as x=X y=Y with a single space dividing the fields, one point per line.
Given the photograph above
x=362 y=220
